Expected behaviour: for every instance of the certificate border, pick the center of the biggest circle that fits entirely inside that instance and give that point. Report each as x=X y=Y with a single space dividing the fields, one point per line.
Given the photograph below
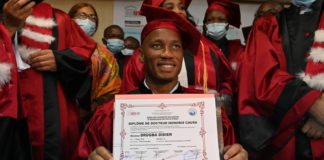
x=202 y=132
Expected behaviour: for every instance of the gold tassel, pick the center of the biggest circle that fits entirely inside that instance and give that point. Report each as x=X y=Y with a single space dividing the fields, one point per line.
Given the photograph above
x=205 y=78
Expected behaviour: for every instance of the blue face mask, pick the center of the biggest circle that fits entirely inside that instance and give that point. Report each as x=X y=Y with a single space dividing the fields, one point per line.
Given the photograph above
x=216 y=30
x=115 y=45
x=87 y=26
x=303 y=3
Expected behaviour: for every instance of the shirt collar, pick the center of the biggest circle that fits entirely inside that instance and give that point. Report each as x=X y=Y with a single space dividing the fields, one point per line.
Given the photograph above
x=175 y=89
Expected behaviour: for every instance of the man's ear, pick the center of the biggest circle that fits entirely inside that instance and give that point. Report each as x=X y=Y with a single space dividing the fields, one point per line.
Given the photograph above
x=141 y=55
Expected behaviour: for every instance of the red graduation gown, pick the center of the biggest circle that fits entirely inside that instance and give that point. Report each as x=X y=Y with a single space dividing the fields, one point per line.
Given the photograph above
x=8 y=99
x=235 y=53
x=99 y=131
x=8 y=76
x=273 y=103
x=122 y=61
x=219 y=74
x=48 y=98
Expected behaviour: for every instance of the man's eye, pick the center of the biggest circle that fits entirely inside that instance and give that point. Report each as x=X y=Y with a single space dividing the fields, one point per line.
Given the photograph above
x=177 y=46
x=182 y=7
x=156 y=46
x=169 y=7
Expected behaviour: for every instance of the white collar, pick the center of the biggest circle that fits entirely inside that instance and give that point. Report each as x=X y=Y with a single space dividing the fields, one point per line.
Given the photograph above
x=304 y=10
x=172 y=91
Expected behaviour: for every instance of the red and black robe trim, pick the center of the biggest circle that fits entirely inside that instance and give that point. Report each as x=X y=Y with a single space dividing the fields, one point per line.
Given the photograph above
x=48 y=98
x=262 y=130
x=190 y=66
x=52 y=134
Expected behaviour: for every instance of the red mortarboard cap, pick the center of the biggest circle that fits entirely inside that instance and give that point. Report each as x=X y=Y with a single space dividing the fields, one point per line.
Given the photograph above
x=157 y=3
x=230 y=9
x=161 y=18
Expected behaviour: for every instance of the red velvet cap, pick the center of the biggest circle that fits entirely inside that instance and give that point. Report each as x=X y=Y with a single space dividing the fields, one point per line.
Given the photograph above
x=230 y=9
x=161 y=18
x=157 y=3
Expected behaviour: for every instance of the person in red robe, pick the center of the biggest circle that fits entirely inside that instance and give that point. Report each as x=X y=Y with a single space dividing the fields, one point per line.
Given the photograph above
x=53 y=57
x=206 y=70
x=8 y=95
x=13 y=136
x=219 y=15
x=281 y=115
x=10 y=141
x=267 y=7
x=104 y=81
x=8 y=77
x=163 y=40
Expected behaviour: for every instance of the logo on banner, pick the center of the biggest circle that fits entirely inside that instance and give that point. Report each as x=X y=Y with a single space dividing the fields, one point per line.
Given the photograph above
x=131 y=11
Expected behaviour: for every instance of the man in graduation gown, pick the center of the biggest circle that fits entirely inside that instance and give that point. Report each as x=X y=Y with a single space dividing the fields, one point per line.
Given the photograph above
x=267 y=7
x=281 y=116
x=8 y=87
x=52 y=54
x=10 y=144
x=206 y=70
x=14 y=143
x=163 y=40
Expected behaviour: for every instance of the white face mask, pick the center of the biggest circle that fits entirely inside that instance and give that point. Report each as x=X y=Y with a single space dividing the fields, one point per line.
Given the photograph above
x=303 y=3
x=127 y=52
x=87 y=26
x=216 y=30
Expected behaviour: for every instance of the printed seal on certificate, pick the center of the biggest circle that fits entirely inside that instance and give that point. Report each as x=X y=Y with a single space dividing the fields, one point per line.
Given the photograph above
x=167 y=126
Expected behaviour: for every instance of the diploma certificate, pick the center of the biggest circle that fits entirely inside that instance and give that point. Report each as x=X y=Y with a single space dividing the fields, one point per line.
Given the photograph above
x=165 y=127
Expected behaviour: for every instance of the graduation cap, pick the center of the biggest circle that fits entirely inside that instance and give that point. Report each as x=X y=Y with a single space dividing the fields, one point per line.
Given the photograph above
x=230 y=9
x=161 y=18
x=157 y=3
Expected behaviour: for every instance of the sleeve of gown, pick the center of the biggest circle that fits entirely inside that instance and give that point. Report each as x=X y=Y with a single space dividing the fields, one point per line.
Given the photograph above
x=13 y=146
x=227 y=79
x=98 y=132
x=74 y=49
x=133 y=73
x=226 y=74
x=228 y=130
x=272 y=102
x=8 y=76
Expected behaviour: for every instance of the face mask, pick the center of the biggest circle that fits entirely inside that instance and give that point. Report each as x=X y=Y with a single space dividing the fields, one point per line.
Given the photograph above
x=115 y=45
x=216 y=30
x=127 y=52
x=87 y=26
x=303 y=3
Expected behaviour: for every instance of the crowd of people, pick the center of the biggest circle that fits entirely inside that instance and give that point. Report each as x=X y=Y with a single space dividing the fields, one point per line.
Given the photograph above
x=58 y=86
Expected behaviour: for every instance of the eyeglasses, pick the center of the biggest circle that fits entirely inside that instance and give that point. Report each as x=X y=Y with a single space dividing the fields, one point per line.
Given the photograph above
x=83 y=15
